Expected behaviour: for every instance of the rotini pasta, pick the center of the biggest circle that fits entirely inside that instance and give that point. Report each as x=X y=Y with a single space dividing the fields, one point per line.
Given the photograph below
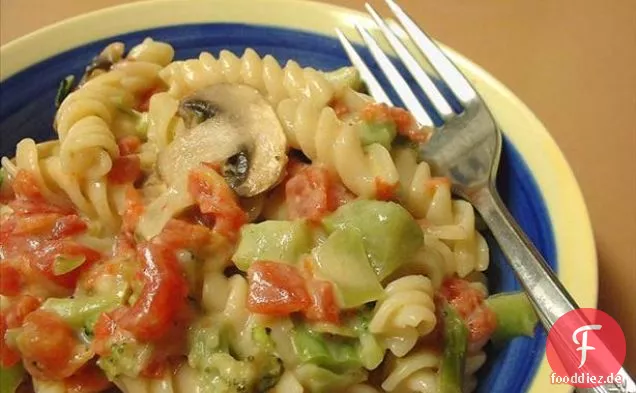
x=405 y=314
x=233 y=225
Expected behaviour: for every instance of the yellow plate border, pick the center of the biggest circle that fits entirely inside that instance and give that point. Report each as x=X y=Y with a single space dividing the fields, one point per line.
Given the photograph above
x=571 y=225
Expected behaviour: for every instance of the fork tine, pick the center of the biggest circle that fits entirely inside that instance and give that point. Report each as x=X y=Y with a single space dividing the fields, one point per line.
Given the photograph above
x=376 y=90
x=442 y=64
x=401 y=87
x=421 y=77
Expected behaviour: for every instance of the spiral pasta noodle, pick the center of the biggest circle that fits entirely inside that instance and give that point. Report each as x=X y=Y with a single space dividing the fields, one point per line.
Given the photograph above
x=453 y=245
x=405 y=314
x=414 y=373
x=264 y=74
x=85 y=119
x=95 y=198
x=321 y=136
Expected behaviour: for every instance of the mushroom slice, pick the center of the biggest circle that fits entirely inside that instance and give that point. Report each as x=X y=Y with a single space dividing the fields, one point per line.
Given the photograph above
x=231 y=125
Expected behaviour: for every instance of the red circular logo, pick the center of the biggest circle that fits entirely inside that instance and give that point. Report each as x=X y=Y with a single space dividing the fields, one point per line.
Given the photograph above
x=585 y=348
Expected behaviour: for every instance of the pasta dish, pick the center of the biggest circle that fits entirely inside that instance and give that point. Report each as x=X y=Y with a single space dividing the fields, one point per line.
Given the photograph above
x=230 y=225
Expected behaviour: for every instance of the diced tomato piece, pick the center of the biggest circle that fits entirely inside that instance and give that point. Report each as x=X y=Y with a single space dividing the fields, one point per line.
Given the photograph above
x=294 y=166
x=45 y=258
x=376 y=113
x=144 y=98
x=276 y=289
x=469 y=303
x=70 y=225
x=103 y=330
x=8 y=356
x=26 y=187
x=163 y=294
x=10 y=280
x=384 y=191
x=35 y=224
x=178 y=234
x=129 y=144
x=216 y=198
x=323 y=302
x=88 y=379
x=312 y=192
x=339 y=107
x=19 y=309
x=404 y=121
x=126 y=169
x=47 y=345
x=307 y=194
x=134 y=208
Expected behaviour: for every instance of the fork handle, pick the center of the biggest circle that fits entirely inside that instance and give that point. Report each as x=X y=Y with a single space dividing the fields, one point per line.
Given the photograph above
x=547 y=294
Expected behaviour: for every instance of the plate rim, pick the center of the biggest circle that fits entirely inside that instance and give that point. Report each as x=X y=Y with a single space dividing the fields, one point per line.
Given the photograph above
x=562 y=191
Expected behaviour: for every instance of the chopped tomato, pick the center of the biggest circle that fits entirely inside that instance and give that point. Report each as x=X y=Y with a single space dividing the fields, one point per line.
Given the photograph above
x=26 y=187
x=383 y=190
x=163 y=294
x=144 y=99
x=20 y=308
x=323 y=302
x=469 y=303
x=178 y=234
x=45 y=258
x=276 y=289
x=404 y=121
x=294 y=166
x=8 y=356
x=10 y=280
x=48 y=346
x=13 y=317
x=134 y=208
x=376 y=113
x=307 y=195
x=88 y=379
x=215 y=197
x=129 y=144
x=103 y=331
x=312 y=193
x=126 y=169
x=34 y=224
x=339 y=107
x=66 y=226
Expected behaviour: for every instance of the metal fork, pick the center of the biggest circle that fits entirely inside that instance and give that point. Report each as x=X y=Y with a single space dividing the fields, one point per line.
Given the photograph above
x=466 y=149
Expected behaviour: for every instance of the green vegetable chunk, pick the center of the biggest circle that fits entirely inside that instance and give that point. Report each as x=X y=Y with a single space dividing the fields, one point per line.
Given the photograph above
x=10 y=378
x=64 y=89
x=342 y=260
x=389 y=233
x=320 y=380
x=334 y=353
x=81 y=311
x=374 y=132
x=282 y=241
x=344 y=77
x=515 y=315
x=455 y=342
x=125 y=358
x=63 y=264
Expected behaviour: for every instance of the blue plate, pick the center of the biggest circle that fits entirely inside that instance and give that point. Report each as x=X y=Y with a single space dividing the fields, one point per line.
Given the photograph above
x=27 y=110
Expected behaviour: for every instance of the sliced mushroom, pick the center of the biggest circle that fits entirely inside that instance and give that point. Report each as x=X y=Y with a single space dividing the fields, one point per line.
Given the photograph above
x=231 y=125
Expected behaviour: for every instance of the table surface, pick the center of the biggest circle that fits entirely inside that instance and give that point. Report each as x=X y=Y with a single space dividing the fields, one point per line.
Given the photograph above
x=572 y=63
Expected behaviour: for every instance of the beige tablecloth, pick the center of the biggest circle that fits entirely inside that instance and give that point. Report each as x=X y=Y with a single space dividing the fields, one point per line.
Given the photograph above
x=572 y=62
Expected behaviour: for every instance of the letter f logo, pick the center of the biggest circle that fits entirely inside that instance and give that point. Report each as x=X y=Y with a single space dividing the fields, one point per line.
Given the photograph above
x=584 y=347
